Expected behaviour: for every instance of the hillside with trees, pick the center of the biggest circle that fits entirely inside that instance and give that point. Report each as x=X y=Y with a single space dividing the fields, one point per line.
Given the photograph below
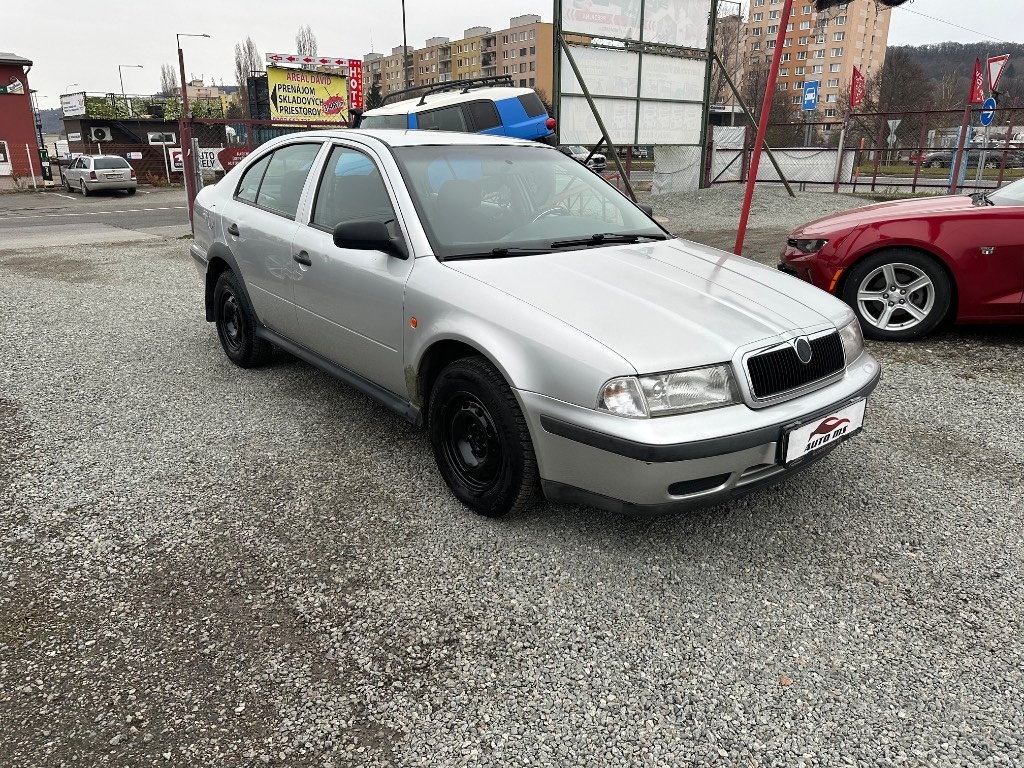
x=947 y=69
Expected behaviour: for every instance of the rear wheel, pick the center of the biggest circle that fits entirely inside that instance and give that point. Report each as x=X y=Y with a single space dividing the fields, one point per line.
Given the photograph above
x=82 y=188
x=480 y=439
x=131 y=190
x=236 y=324
x=898 y=294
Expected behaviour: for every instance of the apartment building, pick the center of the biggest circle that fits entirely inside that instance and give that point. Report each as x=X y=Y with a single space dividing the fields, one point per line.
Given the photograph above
x=523 y=51
x=819 y=46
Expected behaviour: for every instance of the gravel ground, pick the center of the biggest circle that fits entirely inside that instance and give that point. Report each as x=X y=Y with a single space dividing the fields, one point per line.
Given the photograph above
x=201 y=565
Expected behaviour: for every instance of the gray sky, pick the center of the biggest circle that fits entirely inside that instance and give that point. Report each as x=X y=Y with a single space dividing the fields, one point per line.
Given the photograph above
x=91 y=39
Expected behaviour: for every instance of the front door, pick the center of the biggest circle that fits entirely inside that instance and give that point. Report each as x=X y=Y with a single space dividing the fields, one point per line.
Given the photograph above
x=349 y=302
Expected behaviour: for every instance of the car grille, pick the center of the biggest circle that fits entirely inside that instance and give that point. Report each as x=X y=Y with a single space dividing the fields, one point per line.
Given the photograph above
x=780 y=370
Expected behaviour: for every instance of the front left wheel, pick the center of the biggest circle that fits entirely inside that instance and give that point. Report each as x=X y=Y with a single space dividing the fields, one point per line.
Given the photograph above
x=480 y=439
x=236 y=324
x=898 y=294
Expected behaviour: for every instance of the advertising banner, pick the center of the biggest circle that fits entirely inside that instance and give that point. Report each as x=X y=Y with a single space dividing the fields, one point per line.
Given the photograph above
x=73 y=104
x=301 y=95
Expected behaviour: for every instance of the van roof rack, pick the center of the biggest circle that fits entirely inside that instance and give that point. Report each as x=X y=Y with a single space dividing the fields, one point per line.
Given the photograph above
x=465 y=86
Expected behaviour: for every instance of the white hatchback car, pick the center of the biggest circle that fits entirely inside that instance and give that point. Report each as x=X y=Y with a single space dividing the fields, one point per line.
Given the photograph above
x=91 y=173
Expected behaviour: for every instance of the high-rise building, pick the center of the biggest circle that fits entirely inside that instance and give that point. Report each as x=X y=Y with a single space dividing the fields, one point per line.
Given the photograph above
x=523 y=52
x=819 y=46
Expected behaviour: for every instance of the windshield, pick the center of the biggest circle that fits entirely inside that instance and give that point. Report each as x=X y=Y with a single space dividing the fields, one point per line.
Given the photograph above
x=477 y=199
x=1011 y=194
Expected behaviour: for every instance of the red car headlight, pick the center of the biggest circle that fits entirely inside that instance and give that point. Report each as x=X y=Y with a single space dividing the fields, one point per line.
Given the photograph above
x=806 y=245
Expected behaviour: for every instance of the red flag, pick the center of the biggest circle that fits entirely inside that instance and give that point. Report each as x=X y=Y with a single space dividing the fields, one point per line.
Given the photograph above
x=857 y=89
x=977 y=85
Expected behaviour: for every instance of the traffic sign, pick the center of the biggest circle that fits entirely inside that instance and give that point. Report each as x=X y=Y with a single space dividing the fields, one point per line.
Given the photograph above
x=893 y=125
x=996 y=65
x=810 y=101
x=988 y=111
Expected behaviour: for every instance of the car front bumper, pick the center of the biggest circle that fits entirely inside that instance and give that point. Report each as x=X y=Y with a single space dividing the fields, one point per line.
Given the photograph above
x=652 y=467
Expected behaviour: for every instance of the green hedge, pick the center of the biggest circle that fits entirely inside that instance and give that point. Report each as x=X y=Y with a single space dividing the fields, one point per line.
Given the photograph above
x=115 y=107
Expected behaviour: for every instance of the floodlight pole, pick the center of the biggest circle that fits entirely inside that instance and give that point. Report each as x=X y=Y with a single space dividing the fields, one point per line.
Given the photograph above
x=762 y=127
x=185 y=126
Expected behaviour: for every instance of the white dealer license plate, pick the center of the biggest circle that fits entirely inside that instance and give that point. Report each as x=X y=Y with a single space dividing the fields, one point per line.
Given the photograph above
x=814 y=435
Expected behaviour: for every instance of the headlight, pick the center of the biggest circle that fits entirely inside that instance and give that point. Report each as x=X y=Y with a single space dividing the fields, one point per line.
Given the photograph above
x=806 y=246
x=853 y=340
x=696 y=389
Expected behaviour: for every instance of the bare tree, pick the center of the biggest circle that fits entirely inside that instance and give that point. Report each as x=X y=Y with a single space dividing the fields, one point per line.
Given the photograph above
x=169 y=85
x=305 y=41
x=247 y=61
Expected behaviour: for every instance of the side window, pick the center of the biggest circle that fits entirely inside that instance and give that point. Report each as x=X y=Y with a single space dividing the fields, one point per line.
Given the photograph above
x=443 y=119
x=484 y=115
x=351 y=189
x=285 y=177
x=250 y=183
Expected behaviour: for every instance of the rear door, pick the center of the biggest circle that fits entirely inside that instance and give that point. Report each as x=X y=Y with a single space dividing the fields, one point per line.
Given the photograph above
x=258 y=226
x=350 y=303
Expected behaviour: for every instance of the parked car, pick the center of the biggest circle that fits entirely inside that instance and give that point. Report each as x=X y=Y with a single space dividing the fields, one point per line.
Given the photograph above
x=550 y=336
x=597 y=161
x=639 y=153
x=993 y=158
x=489 y=105
x=906 y=266
x=91 y=173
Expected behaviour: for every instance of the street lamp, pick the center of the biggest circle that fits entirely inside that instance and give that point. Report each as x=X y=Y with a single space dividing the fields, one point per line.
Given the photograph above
x=405 y=52
x=185 y=126
x=120 y=75
x=69 y=86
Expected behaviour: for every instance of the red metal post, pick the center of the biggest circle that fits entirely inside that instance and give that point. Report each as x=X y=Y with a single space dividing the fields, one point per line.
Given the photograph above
x=965 y=126
x=185 y=129
x=762 y=127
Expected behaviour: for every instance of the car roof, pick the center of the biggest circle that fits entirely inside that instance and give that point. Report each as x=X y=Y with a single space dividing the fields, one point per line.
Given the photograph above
x=447 y=97
x=410 y=138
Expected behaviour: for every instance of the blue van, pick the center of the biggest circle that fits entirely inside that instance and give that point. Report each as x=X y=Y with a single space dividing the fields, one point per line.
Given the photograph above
x=491 y=105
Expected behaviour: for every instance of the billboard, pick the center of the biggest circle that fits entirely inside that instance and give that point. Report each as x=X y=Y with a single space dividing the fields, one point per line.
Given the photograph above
x=72 y=104
x=645 y=64
x=302 y=95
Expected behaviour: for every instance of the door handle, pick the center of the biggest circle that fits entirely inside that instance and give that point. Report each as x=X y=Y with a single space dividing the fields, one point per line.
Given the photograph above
x=303 y=258
x=233 y=229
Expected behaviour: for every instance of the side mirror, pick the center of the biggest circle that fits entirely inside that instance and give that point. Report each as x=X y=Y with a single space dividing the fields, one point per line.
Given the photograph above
x=368 y=235
x=648 y=209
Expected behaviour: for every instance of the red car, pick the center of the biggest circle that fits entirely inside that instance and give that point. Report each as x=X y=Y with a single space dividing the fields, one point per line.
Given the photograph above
x=907 y=266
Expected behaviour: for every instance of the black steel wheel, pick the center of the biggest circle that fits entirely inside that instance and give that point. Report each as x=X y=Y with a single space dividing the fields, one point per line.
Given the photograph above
x=236 y=324
x=480 y=439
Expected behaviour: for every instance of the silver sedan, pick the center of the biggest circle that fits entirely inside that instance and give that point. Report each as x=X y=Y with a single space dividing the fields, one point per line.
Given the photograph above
x=549 y=335
x=91 y=173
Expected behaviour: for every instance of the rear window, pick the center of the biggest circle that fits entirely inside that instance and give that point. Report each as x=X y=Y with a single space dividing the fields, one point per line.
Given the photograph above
x=484 y=115
x=532 y=104
x=109 y=163
x=401 y=122
x=443 y=119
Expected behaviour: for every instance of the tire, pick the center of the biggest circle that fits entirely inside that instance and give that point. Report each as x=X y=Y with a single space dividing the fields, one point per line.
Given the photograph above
x=82 y=188
x=914 y=309
x=131 y=190
x=935 y=164
x=480 y=439
x=67 y=185
x=236 y=324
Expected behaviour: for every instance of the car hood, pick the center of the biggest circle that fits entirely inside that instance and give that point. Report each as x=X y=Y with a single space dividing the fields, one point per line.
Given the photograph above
x=665 y=305
x=896 y=209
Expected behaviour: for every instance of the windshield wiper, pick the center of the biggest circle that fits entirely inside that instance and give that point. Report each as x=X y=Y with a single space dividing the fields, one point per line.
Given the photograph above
x=498 y=253
x=602 y=238
x=981 y=197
